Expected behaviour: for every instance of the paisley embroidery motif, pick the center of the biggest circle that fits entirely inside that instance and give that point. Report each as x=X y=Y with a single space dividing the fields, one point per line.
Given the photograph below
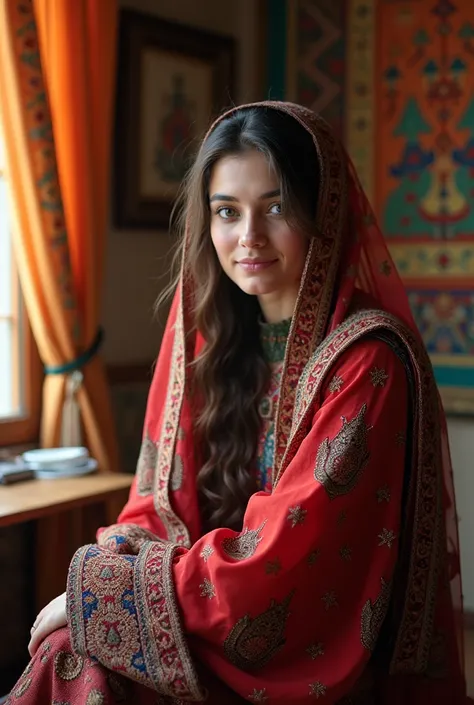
x=244 y=545
x=146 y=466
x=67 y=665
x=254 y=641
x=340 y=462
x=373 y=615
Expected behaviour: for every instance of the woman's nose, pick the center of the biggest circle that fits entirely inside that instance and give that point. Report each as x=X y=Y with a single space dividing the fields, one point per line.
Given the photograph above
x=253 y=234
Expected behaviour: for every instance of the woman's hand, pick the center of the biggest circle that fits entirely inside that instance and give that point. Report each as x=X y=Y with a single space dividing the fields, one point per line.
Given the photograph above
x=51 y=617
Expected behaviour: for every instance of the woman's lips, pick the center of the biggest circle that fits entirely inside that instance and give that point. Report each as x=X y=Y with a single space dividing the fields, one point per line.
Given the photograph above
x=255 y=265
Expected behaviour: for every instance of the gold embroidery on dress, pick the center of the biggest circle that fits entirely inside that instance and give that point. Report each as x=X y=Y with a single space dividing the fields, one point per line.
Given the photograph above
x=341 y=518
x=207 y=589
x=383 y=494
x=253 y=641
x=67 y=665
x=387 y=537
x=400 y=438
x=345 y=552
x=315 y=650
x=378 y=377
x=313 y=557
x=259 y=696
x=273 y=567
x=335 y=384
x=373 y=615
x=176 y=478
x=317 y=689
x=385 y=268
x=46 y=648
x=330 y=600
x=146 y=466
x=206 y=552
x=296 y=515
x=244 y=545
x=95 y=697
x=22 y=687
x=340 y=462
x=27 y=670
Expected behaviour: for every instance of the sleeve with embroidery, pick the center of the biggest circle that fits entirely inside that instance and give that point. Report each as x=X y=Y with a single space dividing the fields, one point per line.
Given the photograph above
x=293 y=605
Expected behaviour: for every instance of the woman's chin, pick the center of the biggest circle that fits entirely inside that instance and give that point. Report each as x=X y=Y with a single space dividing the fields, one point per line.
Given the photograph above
x=254 y=288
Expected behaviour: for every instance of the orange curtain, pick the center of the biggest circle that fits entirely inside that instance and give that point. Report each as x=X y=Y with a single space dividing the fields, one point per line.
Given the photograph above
x=57 y=60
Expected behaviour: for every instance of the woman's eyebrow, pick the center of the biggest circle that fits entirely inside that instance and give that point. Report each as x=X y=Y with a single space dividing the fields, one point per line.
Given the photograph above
x=225 y=197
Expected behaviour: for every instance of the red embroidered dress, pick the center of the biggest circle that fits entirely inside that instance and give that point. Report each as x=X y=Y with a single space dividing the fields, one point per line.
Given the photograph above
x=343 y=586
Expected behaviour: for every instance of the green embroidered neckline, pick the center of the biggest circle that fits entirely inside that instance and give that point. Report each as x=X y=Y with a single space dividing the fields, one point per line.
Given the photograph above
x=273 y=337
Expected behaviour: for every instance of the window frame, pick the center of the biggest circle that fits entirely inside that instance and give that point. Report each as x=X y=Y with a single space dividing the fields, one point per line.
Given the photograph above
x=24 y=427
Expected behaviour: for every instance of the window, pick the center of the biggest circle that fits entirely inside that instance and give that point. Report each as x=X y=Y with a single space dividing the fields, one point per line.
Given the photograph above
x=19 y=363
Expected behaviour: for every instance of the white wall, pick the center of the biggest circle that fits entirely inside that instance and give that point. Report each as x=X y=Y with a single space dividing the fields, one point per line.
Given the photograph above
x=137 y=260
x=461 y=438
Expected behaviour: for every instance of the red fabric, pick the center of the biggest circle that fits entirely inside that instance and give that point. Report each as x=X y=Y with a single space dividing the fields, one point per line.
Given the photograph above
x=290 y=610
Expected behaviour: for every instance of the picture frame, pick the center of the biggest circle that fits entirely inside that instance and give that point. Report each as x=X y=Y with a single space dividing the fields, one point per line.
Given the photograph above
x=172 y=80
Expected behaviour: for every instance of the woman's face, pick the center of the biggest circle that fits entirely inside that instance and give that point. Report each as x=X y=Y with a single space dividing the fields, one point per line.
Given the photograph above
x=256 y=247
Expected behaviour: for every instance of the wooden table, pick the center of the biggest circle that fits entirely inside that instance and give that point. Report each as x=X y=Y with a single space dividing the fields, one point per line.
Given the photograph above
x=67 y=513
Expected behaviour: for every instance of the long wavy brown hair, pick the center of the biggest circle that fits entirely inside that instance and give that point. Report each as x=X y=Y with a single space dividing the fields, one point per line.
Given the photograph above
x=230 y=374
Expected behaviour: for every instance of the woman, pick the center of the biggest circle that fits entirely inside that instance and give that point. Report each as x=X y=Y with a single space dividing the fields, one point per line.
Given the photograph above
x=290 y=533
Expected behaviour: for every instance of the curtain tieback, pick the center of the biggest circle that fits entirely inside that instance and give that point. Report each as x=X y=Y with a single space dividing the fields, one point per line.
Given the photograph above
x=71 y=430
x=80 y=361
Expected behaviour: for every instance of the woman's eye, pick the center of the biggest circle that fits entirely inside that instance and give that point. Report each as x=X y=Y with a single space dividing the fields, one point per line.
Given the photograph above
x=275 y=209
x=225 y=212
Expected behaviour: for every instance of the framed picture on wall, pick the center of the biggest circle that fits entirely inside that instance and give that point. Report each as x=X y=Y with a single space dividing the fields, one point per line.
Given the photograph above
x=171 y=81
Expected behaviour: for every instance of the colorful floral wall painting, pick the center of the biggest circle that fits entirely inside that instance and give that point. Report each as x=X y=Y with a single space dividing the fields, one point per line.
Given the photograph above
x=395 y=79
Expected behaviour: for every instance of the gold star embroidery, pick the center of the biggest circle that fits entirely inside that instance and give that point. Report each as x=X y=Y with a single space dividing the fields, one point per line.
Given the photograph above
x=387 y=537
x=341 y=518
x=378 y=377
x=383 y=494
x=206 y=552
x=315 y=650
x=317 y=689
x=259 y=696
x=330 y=600
x=296 y=515
x=345 y=553
x=273 y=567
x=207 y=589
x=313 y=557
x=400 y=439
x=385 y=268
x=335 y=384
